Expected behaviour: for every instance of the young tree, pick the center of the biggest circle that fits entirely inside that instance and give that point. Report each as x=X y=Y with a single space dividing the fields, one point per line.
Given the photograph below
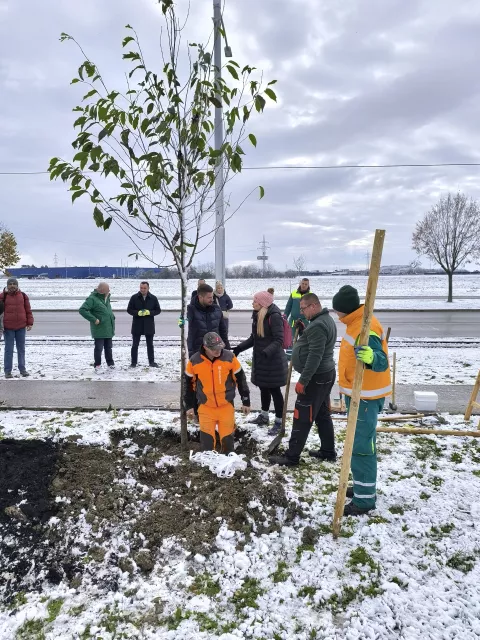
x=155 y=141
x=300 y=264
x=8 y=249
x=449 y=234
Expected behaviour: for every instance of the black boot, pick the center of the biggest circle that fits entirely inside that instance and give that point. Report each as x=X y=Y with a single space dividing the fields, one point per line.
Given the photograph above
x=329 y=456
x=283 y=461
x=352 y=510
x=228 y=444
x=261 y=420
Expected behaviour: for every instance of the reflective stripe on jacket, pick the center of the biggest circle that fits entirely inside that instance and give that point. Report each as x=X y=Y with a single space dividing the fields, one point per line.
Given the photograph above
x=214 y=379
x=376 y=384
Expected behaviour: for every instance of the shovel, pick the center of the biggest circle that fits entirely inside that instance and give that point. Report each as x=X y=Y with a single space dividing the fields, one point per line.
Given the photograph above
x=392 y=404
x=277 y=440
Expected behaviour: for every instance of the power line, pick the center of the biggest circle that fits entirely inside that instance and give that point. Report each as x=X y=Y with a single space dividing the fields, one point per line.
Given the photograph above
x=300 y=167
x=264 y=245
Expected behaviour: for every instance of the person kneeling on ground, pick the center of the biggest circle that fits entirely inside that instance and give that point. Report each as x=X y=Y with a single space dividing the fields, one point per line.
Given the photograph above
x=211 y=376
x=375 y=387
x=312 y=357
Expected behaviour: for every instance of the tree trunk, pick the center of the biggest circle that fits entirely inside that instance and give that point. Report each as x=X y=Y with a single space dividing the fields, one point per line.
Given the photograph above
x=183 y=362
x=450 y=286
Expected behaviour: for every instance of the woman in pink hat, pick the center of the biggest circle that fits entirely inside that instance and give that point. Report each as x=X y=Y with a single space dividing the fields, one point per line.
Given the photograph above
x=269 y=362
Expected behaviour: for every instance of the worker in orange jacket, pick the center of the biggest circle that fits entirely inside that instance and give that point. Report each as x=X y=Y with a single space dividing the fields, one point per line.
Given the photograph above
x=375 y=388
x=211 y=376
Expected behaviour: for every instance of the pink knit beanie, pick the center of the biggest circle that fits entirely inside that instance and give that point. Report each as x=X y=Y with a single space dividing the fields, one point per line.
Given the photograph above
x=263 y=298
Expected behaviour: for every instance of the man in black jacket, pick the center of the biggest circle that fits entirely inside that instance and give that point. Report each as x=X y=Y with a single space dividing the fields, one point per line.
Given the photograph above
x=203 y=317
x=312 y=357
x=143 y=306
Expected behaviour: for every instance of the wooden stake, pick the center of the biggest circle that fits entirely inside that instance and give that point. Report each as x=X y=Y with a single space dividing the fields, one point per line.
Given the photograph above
x=473 y=400
x=389 y=330
x=358 y=379
x=416 y=431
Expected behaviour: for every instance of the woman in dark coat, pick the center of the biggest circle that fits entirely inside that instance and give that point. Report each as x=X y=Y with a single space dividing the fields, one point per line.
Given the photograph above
x=269 y=362
x=223 y=300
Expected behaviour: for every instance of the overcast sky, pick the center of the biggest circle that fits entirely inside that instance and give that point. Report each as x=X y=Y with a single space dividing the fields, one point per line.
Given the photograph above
x=359 y=82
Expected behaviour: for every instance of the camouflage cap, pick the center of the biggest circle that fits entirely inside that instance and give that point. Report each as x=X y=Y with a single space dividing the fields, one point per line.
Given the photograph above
x=212 y=340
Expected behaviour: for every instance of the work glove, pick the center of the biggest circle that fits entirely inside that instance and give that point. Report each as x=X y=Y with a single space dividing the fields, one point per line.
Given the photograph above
x=146 y=312
x=181 y=322
x=300 y=388
x=364 y=354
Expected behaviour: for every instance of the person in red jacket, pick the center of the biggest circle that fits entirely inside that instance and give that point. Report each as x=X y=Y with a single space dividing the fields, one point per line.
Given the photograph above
x=17 y=320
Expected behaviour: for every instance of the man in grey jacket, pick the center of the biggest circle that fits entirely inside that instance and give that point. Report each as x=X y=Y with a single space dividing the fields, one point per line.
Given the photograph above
x=312 y=357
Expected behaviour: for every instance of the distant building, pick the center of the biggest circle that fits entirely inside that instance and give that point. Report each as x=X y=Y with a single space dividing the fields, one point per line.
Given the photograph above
x=93 y=273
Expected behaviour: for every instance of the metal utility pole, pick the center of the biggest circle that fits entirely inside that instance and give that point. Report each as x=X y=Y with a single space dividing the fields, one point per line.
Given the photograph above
x=218 y=26
x=55 y=260
x=263 y=248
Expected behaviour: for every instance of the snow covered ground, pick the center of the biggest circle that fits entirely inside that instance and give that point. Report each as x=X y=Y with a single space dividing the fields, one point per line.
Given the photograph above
x=409 y=288
x=51 y=359
x=409 y=570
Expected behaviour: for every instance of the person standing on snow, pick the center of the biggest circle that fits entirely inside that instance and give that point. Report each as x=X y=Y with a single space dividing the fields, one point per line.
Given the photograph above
x=97 y=310
x=143 y=306
x=376 y=386
x=211 y=376
x=224 y=301
x=312 y=357
x=269 y=362
x=200 y=283
x=17 y=320
x=292 y=310
x=203 y=316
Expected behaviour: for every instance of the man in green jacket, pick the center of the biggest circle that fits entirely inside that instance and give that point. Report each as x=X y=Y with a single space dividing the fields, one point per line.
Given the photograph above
x=97 y=310
x=312 y=357
x=292 y=310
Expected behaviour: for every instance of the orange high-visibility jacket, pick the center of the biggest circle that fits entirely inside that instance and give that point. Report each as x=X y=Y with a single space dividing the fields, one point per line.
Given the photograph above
x=376 y=384
x=215 y=381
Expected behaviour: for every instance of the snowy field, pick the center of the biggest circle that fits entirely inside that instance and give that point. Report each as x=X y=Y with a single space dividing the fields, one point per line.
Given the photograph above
x=49 y=359
x=409 y=289
x=113 y=545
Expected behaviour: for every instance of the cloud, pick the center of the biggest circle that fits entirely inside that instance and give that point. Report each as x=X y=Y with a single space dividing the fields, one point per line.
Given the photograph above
x=383 y=82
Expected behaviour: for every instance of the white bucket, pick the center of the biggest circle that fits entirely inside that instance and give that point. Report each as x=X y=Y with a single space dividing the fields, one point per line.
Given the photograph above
x=425 y=400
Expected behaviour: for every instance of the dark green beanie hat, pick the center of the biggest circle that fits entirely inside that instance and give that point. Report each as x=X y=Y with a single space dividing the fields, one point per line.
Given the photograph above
x=346 y=300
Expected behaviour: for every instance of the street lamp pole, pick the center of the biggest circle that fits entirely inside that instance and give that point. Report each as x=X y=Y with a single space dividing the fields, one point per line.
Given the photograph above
x=219 y=175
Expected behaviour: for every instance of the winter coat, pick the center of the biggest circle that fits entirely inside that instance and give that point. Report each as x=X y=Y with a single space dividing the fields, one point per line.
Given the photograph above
x=224 y=301
x=143 y=325
x=313 y=351
x=201 y=320
x=97 y=307
x=17 y=312
x=292 y=310
x=269 y=363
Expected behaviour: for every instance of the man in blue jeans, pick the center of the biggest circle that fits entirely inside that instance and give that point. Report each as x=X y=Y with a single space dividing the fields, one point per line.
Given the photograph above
x=17 y=320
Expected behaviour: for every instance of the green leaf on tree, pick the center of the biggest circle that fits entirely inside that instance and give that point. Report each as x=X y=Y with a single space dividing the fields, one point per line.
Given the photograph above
x=259 y=103
x=78 y=194
x=262 y=192
x=107 y=223
x=271 y=94
x=127 y=40
x=215 y=101
x=102 y=134
x=98 y=217
x=252 y=139
x=233 y=71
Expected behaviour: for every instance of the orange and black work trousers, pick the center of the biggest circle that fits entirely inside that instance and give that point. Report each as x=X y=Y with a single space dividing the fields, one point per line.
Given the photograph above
x=313 y=405
x=210 y=419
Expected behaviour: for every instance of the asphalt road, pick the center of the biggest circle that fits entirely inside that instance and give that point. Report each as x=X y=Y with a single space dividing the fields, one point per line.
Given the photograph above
x=404 y=324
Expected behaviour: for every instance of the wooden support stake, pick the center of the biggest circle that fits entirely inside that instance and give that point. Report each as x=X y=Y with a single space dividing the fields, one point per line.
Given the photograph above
x=473 y=400
x=358 y=379
x=389 y=331
x=416 y=431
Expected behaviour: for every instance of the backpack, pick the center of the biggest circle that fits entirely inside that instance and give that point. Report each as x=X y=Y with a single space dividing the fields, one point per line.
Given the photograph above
x=287 y=333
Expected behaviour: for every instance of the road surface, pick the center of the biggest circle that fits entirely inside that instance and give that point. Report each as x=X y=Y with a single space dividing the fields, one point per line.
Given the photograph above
x=404 y=324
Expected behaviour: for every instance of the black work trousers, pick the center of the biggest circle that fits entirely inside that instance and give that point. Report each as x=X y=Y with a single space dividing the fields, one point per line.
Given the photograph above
x=266 y=395
x=313 y=405
x=136 y=342
x=100 y=345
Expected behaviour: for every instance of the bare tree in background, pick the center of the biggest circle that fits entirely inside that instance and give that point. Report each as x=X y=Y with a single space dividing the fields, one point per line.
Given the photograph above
x=300 y=264
x=414 y=266
x=449 y=234
x=145 y=157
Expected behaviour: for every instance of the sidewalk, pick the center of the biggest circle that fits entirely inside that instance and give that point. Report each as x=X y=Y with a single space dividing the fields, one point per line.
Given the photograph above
x=67 y=395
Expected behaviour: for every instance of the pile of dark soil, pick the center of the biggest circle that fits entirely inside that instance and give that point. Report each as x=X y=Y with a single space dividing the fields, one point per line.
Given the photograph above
x=117 y=490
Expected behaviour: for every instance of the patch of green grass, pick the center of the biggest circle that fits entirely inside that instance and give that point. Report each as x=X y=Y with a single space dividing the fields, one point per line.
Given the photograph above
x=76 y=611
x=424 y=496
x=174 y=621
x=205 y=584
x=19 y=600
x=53 y=608
x=377 y=520
x=304 y=547
x=280 y=574
x=456 y=457
x=461 y=561
x=437 y=533
x=400 y=582
x=69 y=423
x=476 y=473
x=307 y=592
x=247 y=595
x=397 y=509
x=436 y=481
x=359 y=557
x=425 y=448
x=205 y=623
x=31 y=630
